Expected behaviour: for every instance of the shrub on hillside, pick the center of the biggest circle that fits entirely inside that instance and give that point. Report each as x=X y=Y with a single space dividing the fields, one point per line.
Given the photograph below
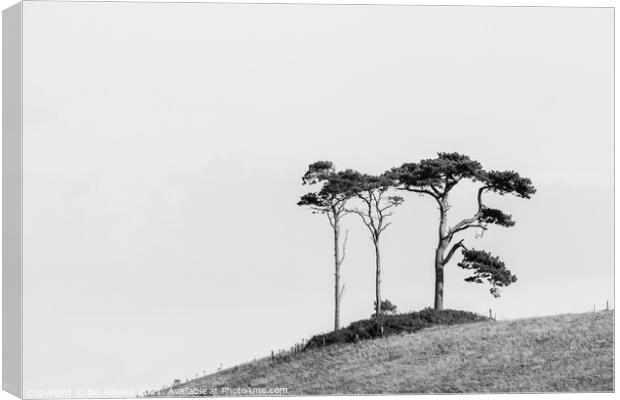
x=393 y=324
x=386 y=307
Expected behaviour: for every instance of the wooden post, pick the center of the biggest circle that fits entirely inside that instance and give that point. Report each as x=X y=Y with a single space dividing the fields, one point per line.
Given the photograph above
x=607 y=305
x=490 y=314
x=381 y=330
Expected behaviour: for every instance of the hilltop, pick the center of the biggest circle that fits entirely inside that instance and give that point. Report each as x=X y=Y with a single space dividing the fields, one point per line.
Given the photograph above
x=572 y=352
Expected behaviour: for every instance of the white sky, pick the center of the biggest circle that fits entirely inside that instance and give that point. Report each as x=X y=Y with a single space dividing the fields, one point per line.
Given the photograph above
x=164 y=145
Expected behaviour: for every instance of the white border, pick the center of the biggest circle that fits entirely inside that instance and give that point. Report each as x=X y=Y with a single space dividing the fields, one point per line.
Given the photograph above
x=504 y=3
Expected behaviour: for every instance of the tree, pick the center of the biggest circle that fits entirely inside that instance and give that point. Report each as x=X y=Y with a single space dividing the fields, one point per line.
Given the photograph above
x=375 y=208
x=386 y=307
x=436 y=178
x=330 y=200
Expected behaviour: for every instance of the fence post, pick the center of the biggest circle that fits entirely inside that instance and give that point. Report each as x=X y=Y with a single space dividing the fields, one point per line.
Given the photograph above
x=490 y=314
x=607 y=305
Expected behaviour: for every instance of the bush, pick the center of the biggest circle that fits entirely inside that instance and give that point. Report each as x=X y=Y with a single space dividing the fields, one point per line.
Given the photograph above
x=392 y=325
x=386 y=307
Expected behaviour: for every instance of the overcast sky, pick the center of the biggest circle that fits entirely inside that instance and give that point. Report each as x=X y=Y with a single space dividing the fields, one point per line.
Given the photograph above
x=164 y=146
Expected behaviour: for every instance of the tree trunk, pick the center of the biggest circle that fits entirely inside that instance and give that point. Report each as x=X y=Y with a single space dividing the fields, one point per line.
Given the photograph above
x=336 y=273
x=439 y=253
x=442 y=245
x=378 y=278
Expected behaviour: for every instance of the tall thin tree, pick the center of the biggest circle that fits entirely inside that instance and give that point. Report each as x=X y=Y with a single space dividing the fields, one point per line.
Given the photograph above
x=376 y=204
x=436 y=178
x=331 y=201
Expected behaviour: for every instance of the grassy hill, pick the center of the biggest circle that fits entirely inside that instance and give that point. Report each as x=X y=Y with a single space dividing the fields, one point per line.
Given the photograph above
x=572 y=352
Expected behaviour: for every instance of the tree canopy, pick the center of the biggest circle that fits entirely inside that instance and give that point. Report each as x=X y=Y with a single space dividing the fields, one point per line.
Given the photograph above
x=436 y=177
x=376 y=202
x=332 y=196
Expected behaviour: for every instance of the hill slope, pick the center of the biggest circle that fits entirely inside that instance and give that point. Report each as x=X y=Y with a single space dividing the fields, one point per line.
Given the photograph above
x=572 y=352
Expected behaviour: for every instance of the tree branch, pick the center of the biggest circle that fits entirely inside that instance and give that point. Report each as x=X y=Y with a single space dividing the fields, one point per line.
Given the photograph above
x=422 y=191
x=340 y=206
x=452 y=251
x=341 y=293
x=331 y=220
x=481 y=226
x=387 y=207
x=366 y=222
x=371 y=220
x=467 y=222
x=344 y=247
x=384 y=227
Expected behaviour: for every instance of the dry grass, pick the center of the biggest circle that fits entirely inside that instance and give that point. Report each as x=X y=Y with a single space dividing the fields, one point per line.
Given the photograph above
x=563 y=353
